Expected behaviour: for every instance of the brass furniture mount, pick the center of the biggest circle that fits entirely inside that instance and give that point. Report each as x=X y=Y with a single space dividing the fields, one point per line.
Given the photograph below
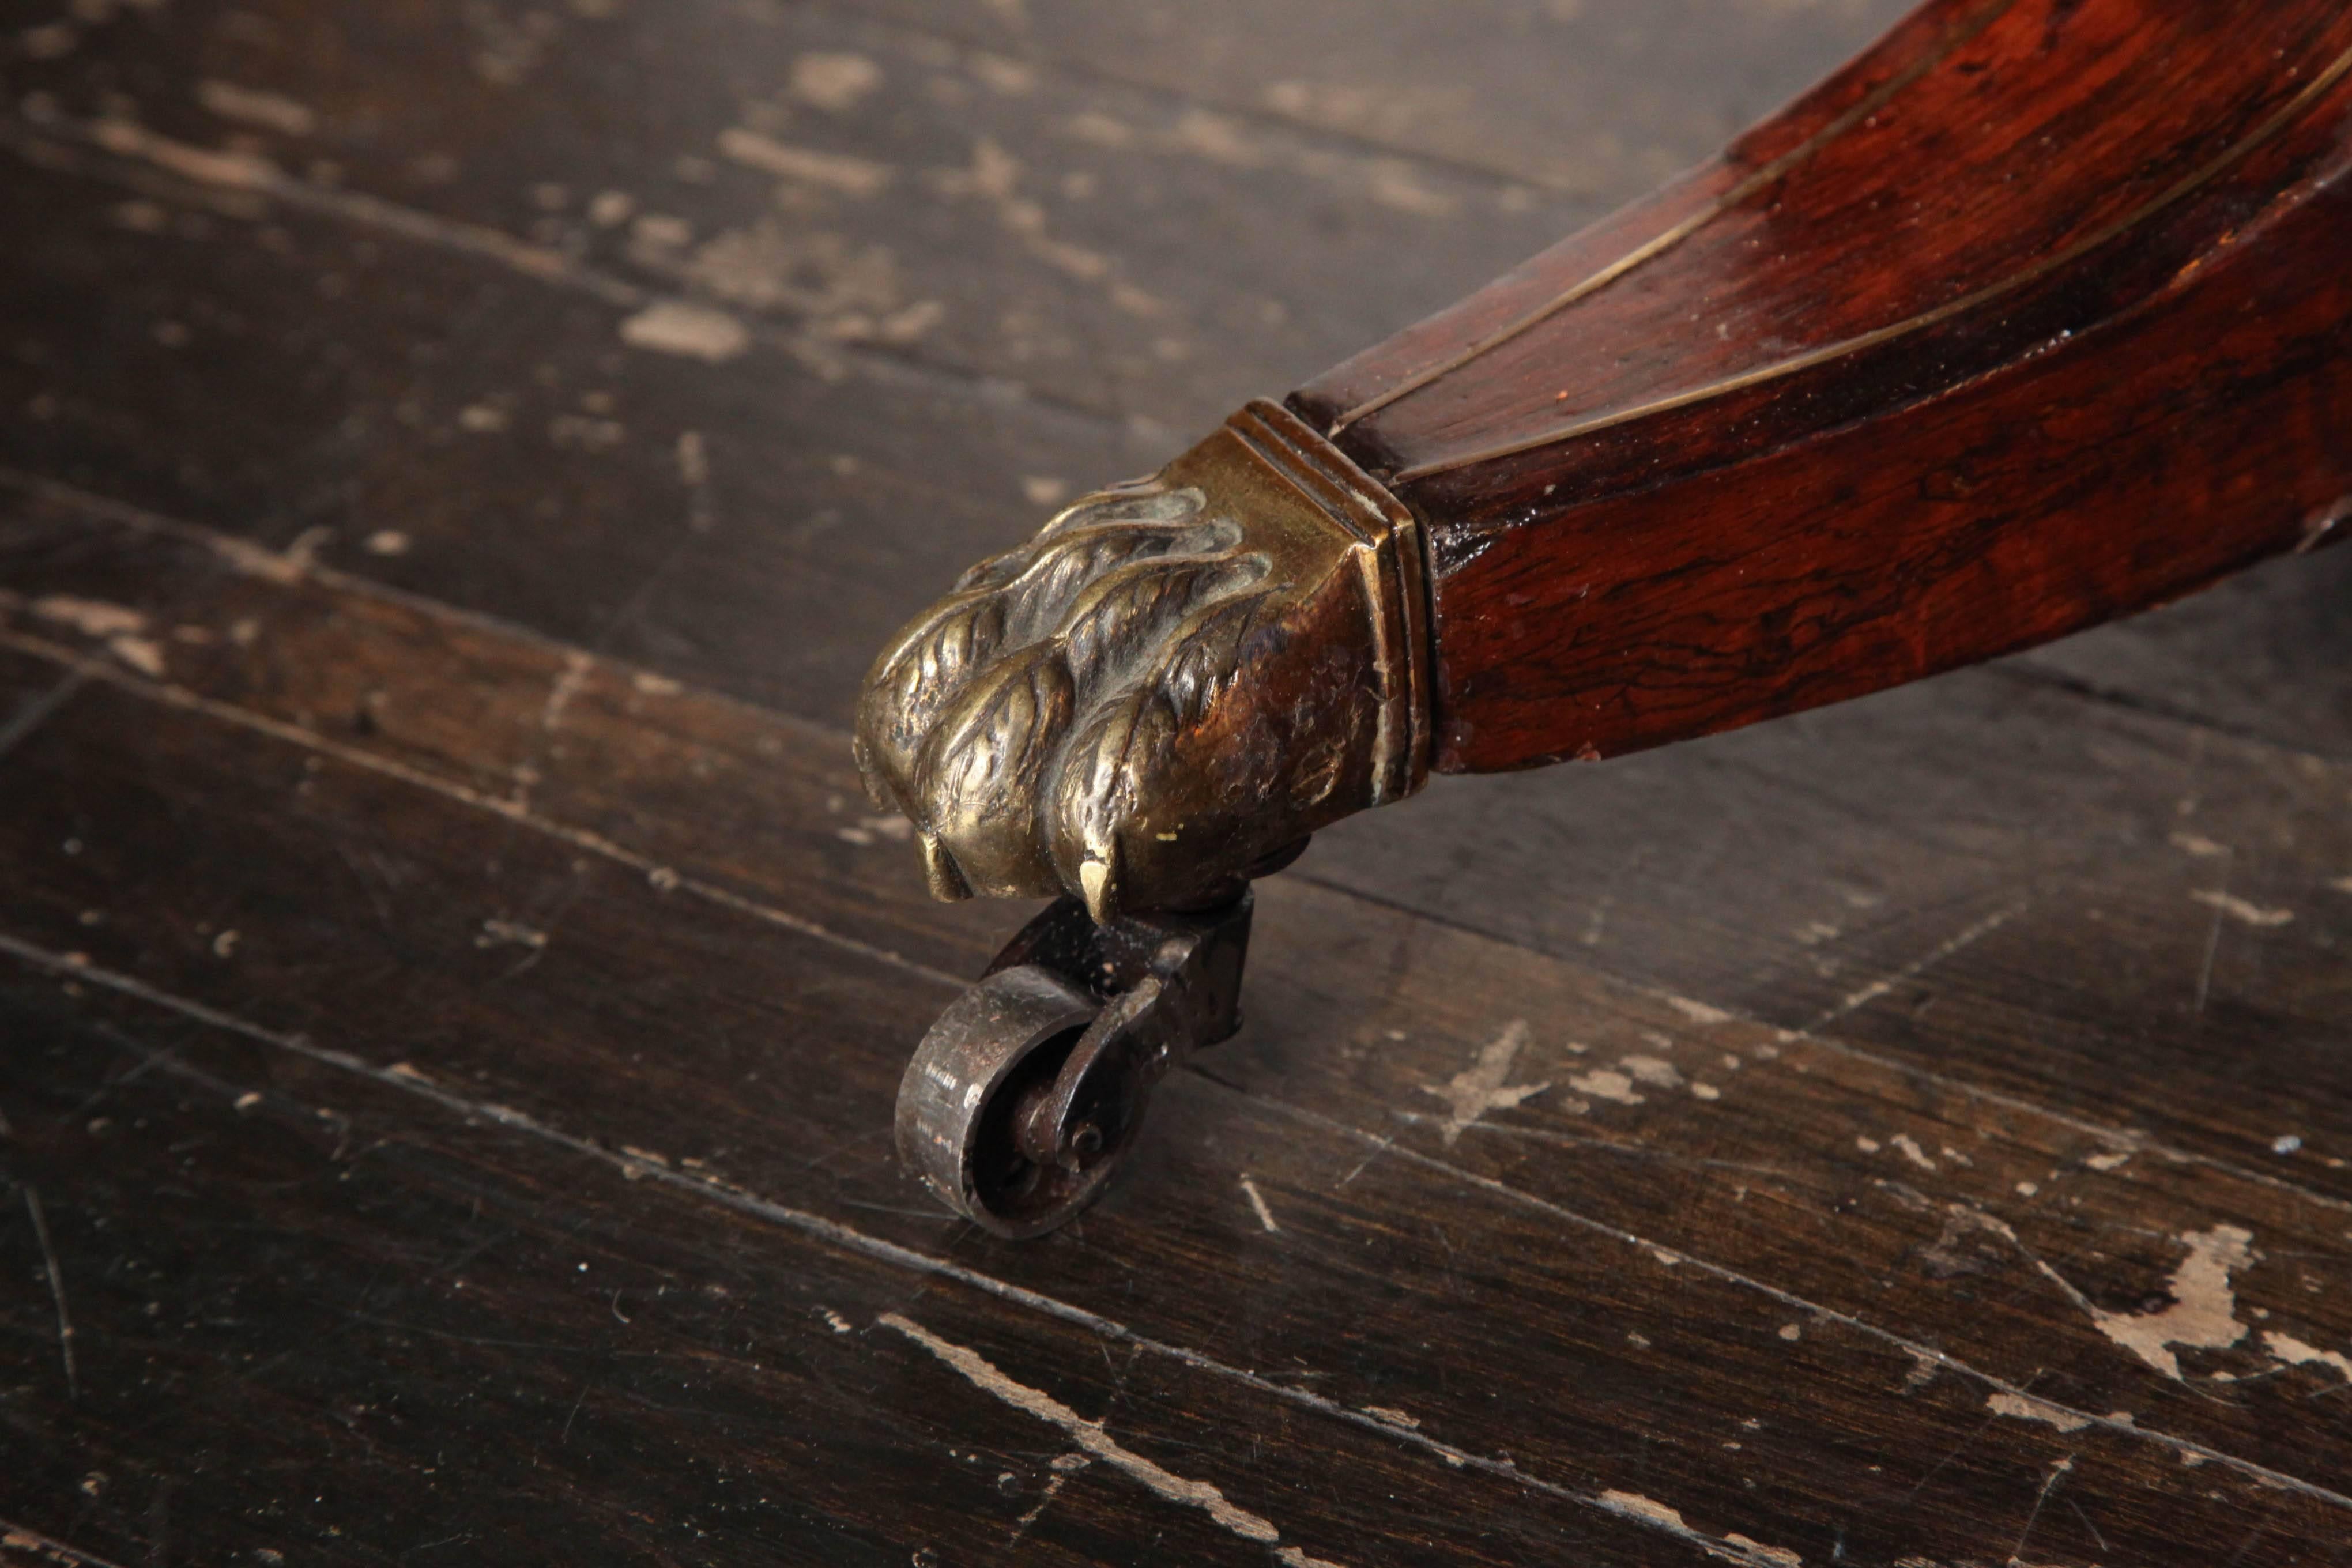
x=1175 y=681
x=1158 y=698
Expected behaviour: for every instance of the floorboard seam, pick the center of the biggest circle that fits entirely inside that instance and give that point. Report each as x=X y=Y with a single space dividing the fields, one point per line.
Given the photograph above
x=2023 y=670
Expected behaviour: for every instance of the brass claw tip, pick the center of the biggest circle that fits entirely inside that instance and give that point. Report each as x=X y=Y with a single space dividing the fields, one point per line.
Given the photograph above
x=1099 y=879
x=940 y=869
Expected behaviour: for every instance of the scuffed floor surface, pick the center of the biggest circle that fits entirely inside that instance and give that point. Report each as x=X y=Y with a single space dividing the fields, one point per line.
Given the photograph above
x=457 y=462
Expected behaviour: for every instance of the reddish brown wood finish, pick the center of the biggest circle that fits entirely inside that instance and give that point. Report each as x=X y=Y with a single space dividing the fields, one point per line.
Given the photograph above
x=2042 y=319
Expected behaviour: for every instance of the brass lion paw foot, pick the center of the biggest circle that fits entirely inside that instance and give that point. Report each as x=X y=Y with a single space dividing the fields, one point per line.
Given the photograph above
x=1153 y=701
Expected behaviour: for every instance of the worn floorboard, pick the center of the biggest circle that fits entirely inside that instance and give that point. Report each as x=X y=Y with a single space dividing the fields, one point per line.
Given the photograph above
x=592 y=779
x=426 y=1306
x=460 y=462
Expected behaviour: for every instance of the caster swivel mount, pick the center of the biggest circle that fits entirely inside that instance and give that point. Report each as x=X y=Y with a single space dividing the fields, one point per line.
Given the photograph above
x=1031 y=1087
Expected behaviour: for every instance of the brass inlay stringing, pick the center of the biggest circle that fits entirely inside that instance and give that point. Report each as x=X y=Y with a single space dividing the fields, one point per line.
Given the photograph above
x=2187 y=185
x=1649 y=249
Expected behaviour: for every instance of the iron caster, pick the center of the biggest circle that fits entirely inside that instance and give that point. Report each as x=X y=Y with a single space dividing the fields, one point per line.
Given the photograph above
x=1029 y=1092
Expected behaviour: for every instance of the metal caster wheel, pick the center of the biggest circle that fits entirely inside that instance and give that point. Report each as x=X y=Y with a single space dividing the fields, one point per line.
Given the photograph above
x=1024 y=1097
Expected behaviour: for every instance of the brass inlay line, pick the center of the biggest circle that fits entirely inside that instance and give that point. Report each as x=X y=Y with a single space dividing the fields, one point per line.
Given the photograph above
x=2186 y=185
x=1665 y=241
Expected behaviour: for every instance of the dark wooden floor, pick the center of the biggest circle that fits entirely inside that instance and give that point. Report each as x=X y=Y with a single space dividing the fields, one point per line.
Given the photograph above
x=459 y=456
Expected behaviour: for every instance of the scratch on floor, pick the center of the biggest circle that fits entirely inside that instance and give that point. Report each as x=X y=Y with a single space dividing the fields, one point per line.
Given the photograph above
x=258 y=561
x=1480 y=1087
x=683 y=327
x=1967 y=1216
x=252 y=106
x=509 y=933
x=235 y=171
x=694 y=473
x=852 y=176
x=1257 y=1202
x=1697 y=1012
x=2243 y=911
x=2205 y=967
x=16 y=1537
x=94 y=618
x=1609 y=1146
x=2025 y=1407
x=120 y=629
x=1919 y=966
x=56 y=1291
x=2058 y=1472
x=1734 y=1547
x=1094 y=1441
x=257 y=175
x=1063 y=1467
x=1380 y=1146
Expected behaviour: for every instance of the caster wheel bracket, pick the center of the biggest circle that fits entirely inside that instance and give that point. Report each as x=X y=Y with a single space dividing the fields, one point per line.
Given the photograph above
x=1032 y=1087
